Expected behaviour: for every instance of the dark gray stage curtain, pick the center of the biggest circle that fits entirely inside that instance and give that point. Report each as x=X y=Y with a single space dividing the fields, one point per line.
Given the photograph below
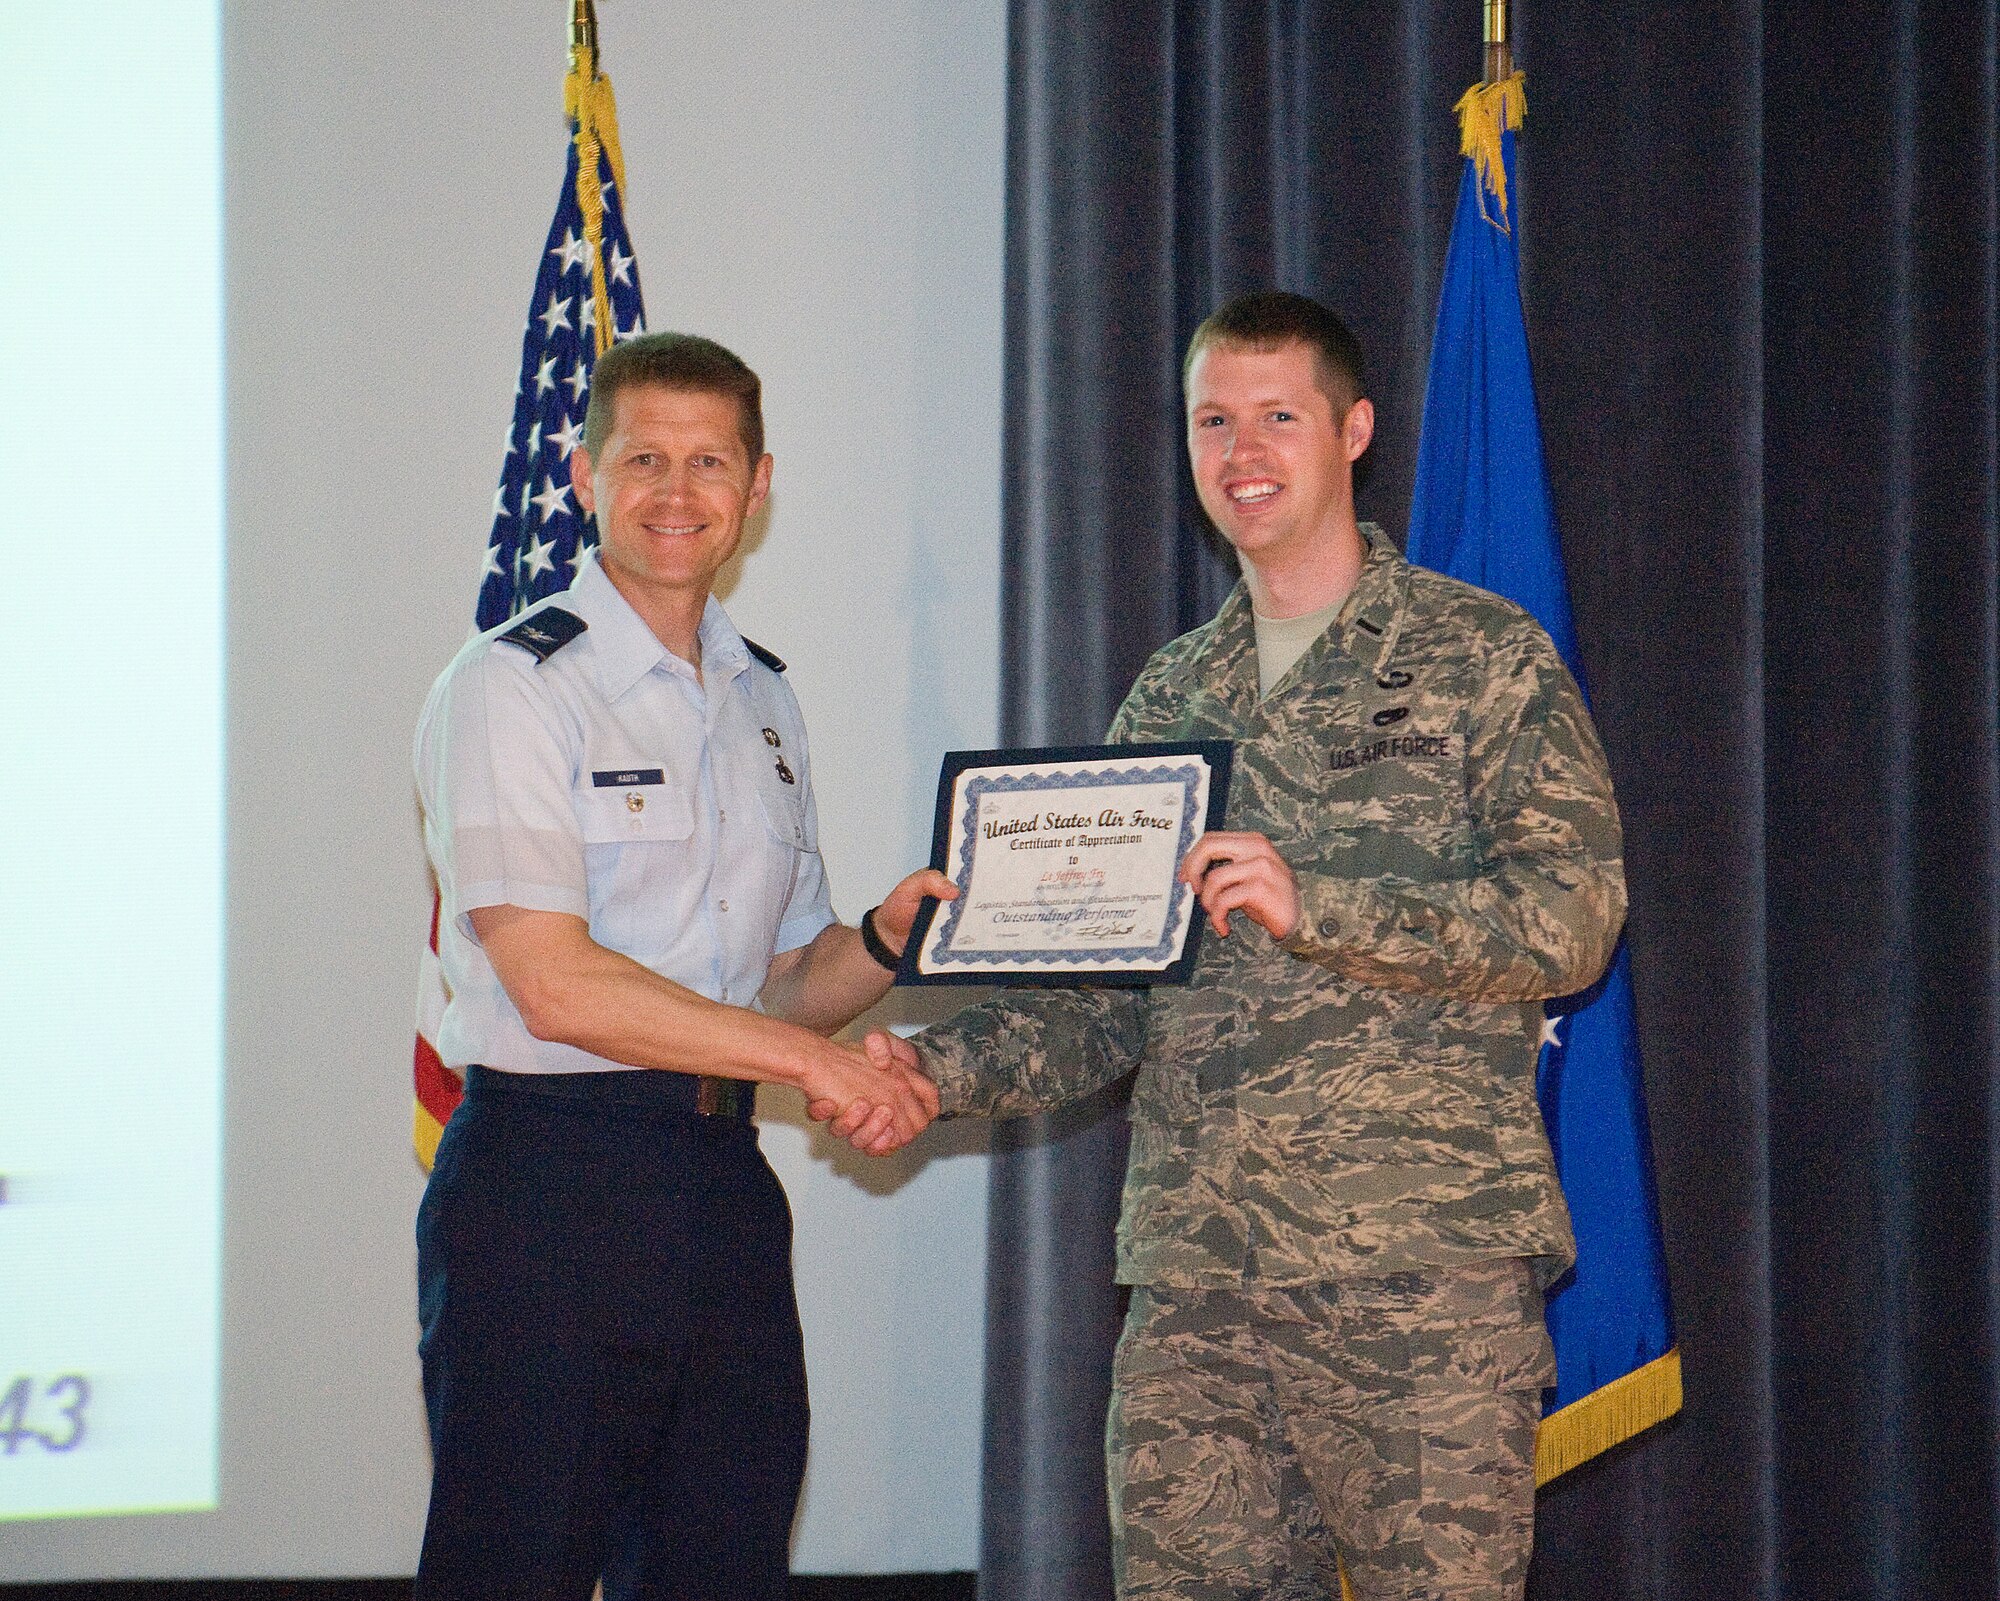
x=1761 y=283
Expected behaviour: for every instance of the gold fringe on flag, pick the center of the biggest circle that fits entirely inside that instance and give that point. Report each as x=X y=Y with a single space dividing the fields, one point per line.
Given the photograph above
x=1608 y=1416
x=425 y=1133
x=1485 y=111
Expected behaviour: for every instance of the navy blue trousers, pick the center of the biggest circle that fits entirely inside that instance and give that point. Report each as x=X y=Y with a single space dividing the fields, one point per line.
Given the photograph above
x=611 y=1351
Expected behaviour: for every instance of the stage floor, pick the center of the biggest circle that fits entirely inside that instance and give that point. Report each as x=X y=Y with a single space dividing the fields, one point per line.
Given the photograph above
x=869 y=1587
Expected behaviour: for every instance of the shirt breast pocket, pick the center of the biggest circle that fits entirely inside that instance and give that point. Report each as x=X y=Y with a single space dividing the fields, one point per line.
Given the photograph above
x=785 y=819
x=636 y=856
x=637 y=814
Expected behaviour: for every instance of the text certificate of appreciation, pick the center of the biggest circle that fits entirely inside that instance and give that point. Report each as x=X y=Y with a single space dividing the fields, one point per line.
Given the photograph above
x=1067 y=863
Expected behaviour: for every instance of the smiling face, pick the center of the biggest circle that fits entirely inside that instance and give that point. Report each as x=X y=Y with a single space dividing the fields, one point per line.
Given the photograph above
x=1273 y=462
x=672 y=488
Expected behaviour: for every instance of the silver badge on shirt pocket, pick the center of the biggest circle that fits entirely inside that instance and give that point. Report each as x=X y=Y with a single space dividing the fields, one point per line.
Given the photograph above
x=624 y=805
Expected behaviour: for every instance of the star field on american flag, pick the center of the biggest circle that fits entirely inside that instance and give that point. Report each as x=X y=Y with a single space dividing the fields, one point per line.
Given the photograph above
x=538 y=528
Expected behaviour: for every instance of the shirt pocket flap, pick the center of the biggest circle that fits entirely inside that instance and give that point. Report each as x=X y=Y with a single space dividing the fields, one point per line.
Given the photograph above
x=634 y=814
x=786 y=820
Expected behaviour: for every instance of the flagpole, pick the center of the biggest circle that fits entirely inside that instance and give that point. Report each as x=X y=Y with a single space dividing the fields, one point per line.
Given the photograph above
x=1499 y=43
x=583 y=36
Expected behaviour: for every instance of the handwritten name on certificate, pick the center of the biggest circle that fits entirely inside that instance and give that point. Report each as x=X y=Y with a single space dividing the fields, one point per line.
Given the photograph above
x=1067 y=863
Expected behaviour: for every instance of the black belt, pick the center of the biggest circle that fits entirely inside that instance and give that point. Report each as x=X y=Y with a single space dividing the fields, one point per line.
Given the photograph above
x=641 y=1089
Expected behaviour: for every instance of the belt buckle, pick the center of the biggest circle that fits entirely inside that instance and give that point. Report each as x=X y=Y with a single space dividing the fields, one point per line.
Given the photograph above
x=720 y=1097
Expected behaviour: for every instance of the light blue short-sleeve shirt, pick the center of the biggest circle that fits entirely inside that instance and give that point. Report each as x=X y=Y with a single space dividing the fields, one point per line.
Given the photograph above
x=674 y=814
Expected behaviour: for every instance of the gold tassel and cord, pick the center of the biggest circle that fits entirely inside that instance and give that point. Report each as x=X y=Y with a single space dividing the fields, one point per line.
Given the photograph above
x=589 y=103
x=1485 y=112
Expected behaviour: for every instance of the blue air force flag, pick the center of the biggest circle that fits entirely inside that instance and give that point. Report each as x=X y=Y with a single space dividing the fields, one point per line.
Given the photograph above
x=1480 y=511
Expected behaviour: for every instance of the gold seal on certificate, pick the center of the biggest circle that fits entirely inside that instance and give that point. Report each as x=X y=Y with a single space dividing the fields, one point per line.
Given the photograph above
x=1067 y=863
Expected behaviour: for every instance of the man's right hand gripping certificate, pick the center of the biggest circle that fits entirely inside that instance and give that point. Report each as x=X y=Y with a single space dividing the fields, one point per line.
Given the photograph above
x=1067 y=863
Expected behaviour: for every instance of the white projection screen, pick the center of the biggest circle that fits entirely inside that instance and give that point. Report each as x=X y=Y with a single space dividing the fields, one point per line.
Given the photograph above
x=111 y=794
x=267 y=263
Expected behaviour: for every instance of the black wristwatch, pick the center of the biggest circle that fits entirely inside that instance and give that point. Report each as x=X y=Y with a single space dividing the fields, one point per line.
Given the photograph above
x=873 y=943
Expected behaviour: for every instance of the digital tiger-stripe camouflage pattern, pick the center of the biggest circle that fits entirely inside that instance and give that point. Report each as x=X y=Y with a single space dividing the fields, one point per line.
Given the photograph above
x=1259 y=1437
x=1357 y=1100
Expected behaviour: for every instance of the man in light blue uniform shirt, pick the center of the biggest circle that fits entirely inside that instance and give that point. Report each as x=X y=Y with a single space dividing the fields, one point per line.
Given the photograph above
x=636 y=930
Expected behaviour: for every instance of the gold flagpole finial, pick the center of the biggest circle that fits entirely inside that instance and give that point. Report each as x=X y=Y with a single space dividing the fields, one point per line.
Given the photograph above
x=582 y=35
x=1499 y=42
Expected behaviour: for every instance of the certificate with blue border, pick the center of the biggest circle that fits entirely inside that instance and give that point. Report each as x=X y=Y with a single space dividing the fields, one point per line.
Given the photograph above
x=1067 y=862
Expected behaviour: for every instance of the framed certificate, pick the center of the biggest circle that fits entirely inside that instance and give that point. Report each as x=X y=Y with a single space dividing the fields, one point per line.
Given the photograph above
x=1067 y=862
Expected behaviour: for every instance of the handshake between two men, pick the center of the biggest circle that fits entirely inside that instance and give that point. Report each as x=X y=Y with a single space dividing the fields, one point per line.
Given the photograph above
x=878 y=1097
x=618 y=805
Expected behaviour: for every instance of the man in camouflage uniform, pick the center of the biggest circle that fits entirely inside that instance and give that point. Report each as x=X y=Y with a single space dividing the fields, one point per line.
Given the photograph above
x=1341 y=1211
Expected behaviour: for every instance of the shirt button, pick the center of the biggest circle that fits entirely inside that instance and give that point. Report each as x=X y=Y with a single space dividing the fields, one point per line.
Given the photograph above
x=721 y=816
x=1328 y=928
x=725 y=906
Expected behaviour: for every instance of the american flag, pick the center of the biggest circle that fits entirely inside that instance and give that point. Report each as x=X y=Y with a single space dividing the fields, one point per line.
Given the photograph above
x=586 y=298
x=538 y=529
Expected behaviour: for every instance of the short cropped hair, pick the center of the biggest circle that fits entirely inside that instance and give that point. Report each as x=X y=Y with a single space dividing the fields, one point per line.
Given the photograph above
x=1271 y=318
x=685 y=362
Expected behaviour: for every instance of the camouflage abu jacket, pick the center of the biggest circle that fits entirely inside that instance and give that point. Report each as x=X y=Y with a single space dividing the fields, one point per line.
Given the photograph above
x=1359 y=1099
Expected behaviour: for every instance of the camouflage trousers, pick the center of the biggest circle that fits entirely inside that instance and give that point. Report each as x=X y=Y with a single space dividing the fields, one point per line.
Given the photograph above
x=1255 y=1434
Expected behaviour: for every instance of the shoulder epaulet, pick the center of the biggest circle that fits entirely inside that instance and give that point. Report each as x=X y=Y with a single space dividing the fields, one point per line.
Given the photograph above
x=545 y=633
x=770 y=658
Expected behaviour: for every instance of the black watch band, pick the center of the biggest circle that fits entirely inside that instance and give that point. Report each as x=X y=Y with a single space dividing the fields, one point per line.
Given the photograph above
x=873 y=943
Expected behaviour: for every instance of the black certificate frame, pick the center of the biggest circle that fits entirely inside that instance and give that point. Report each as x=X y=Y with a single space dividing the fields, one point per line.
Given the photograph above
x=1220 y=757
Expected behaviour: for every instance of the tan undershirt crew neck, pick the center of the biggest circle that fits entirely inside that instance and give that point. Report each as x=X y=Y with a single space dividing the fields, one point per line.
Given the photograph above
x=1283 y=640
